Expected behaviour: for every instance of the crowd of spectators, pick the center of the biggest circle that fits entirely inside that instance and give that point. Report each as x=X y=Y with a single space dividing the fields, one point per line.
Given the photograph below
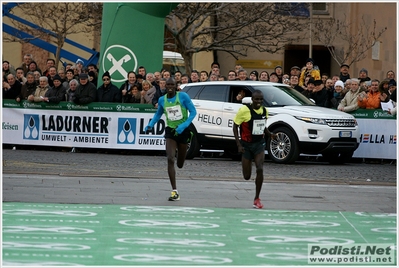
x=78 y=83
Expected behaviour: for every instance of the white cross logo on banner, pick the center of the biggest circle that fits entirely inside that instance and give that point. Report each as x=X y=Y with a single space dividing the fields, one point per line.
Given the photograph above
x=118 y=60
x=117 y=64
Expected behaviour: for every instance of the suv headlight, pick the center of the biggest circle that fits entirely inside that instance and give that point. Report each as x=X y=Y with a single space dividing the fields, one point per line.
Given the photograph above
x=312 y=120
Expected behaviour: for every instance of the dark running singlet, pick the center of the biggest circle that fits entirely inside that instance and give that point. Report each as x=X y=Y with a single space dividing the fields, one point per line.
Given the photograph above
x=253 y=130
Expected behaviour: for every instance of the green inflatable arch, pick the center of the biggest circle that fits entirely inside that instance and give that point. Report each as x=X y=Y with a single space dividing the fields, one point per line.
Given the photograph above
x=132 y=35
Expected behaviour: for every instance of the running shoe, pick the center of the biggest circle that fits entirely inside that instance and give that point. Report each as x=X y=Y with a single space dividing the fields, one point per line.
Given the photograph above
x=257 y=203
x=174 y=196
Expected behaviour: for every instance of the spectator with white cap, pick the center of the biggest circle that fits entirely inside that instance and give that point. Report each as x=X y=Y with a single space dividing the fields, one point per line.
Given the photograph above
x=79 y=65
x=338 y=94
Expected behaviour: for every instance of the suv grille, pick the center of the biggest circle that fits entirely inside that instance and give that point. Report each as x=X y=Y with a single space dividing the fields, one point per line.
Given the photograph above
x=341 y=122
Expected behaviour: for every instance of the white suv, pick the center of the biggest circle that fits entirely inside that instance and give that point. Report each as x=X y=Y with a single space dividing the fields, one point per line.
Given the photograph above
x=301 y=126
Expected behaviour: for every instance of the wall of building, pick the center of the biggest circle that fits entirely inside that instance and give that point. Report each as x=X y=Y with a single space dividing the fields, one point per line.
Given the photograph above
x=385 y=14
x=11 y=52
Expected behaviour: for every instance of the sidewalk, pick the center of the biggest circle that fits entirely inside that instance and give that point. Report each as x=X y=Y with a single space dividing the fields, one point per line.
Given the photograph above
x=154 y=166
x=196 y=193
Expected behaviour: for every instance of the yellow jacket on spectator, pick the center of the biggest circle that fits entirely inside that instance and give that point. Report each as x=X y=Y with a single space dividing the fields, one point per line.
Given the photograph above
x=315 y=74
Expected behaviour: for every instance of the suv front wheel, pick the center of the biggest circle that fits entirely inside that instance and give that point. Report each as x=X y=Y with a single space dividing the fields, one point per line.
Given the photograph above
x=284 y=149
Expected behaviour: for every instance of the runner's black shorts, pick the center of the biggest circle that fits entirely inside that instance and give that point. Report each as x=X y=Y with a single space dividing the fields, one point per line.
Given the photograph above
x=183 y=138
x=253 y=148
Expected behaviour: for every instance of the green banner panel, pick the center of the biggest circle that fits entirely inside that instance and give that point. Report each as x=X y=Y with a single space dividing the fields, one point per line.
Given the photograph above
x=372 y=114
x=94 y=106
x=132 y=35
x=143 y=108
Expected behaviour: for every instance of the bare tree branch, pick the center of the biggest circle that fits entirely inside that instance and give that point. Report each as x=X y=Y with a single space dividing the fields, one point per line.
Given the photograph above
x=355 y=45
x=234 y=28
x=63 y=19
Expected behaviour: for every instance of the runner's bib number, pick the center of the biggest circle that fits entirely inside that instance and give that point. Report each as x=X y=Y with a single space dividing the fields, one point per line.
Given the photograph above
x=259 y=126
x=174 y=113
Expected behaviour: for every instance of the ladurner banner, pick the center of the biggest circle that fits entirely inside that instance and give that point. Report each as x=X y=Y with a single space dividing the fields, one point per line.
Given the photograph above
x=99 y=125
x=119 y=125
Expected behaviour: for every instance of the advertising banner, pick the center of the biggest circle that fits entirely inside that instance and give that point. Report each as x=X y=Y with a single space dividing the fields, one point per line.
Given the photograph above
x=92 y=126
x=378 y=134
x=377 y=140
x=112 y=126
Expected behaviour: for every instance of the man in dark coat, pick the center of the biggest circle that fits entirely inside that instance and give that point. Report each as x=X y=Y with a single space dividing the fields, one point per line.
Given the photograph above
x=28 y=88
x=319 y=95
x=108 y=92
x=57 y=92
x=86 y=92
x=344 y=72
x=11 y=88
x=294 y=80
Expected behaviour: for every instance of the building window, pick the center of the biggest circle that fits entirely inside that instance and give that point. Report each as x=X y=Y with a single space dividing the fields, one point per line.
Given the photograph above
x=301 y=9
x=292 y=9
x=375 y=51
x=320 y=9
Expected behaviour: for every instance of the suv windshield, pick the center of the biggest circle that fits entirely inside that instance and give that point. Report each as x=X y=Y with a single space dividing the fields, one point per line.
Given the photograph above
x=282 y=96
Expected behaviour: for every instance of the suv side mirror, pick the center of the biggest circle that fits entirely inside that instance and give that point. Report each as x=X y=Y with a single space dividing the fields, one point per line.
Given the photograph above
x=246 y=100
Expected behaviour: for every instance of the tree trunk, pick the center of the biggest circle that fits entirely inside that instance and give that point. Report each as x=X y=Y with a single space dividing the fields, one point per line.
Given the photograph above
x=188 y=63
x=60 y=44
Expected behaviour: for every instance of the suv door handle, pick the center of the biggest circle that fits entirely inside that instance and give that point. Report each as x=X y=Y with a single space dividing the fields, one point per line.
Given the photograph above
x=228 y=108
